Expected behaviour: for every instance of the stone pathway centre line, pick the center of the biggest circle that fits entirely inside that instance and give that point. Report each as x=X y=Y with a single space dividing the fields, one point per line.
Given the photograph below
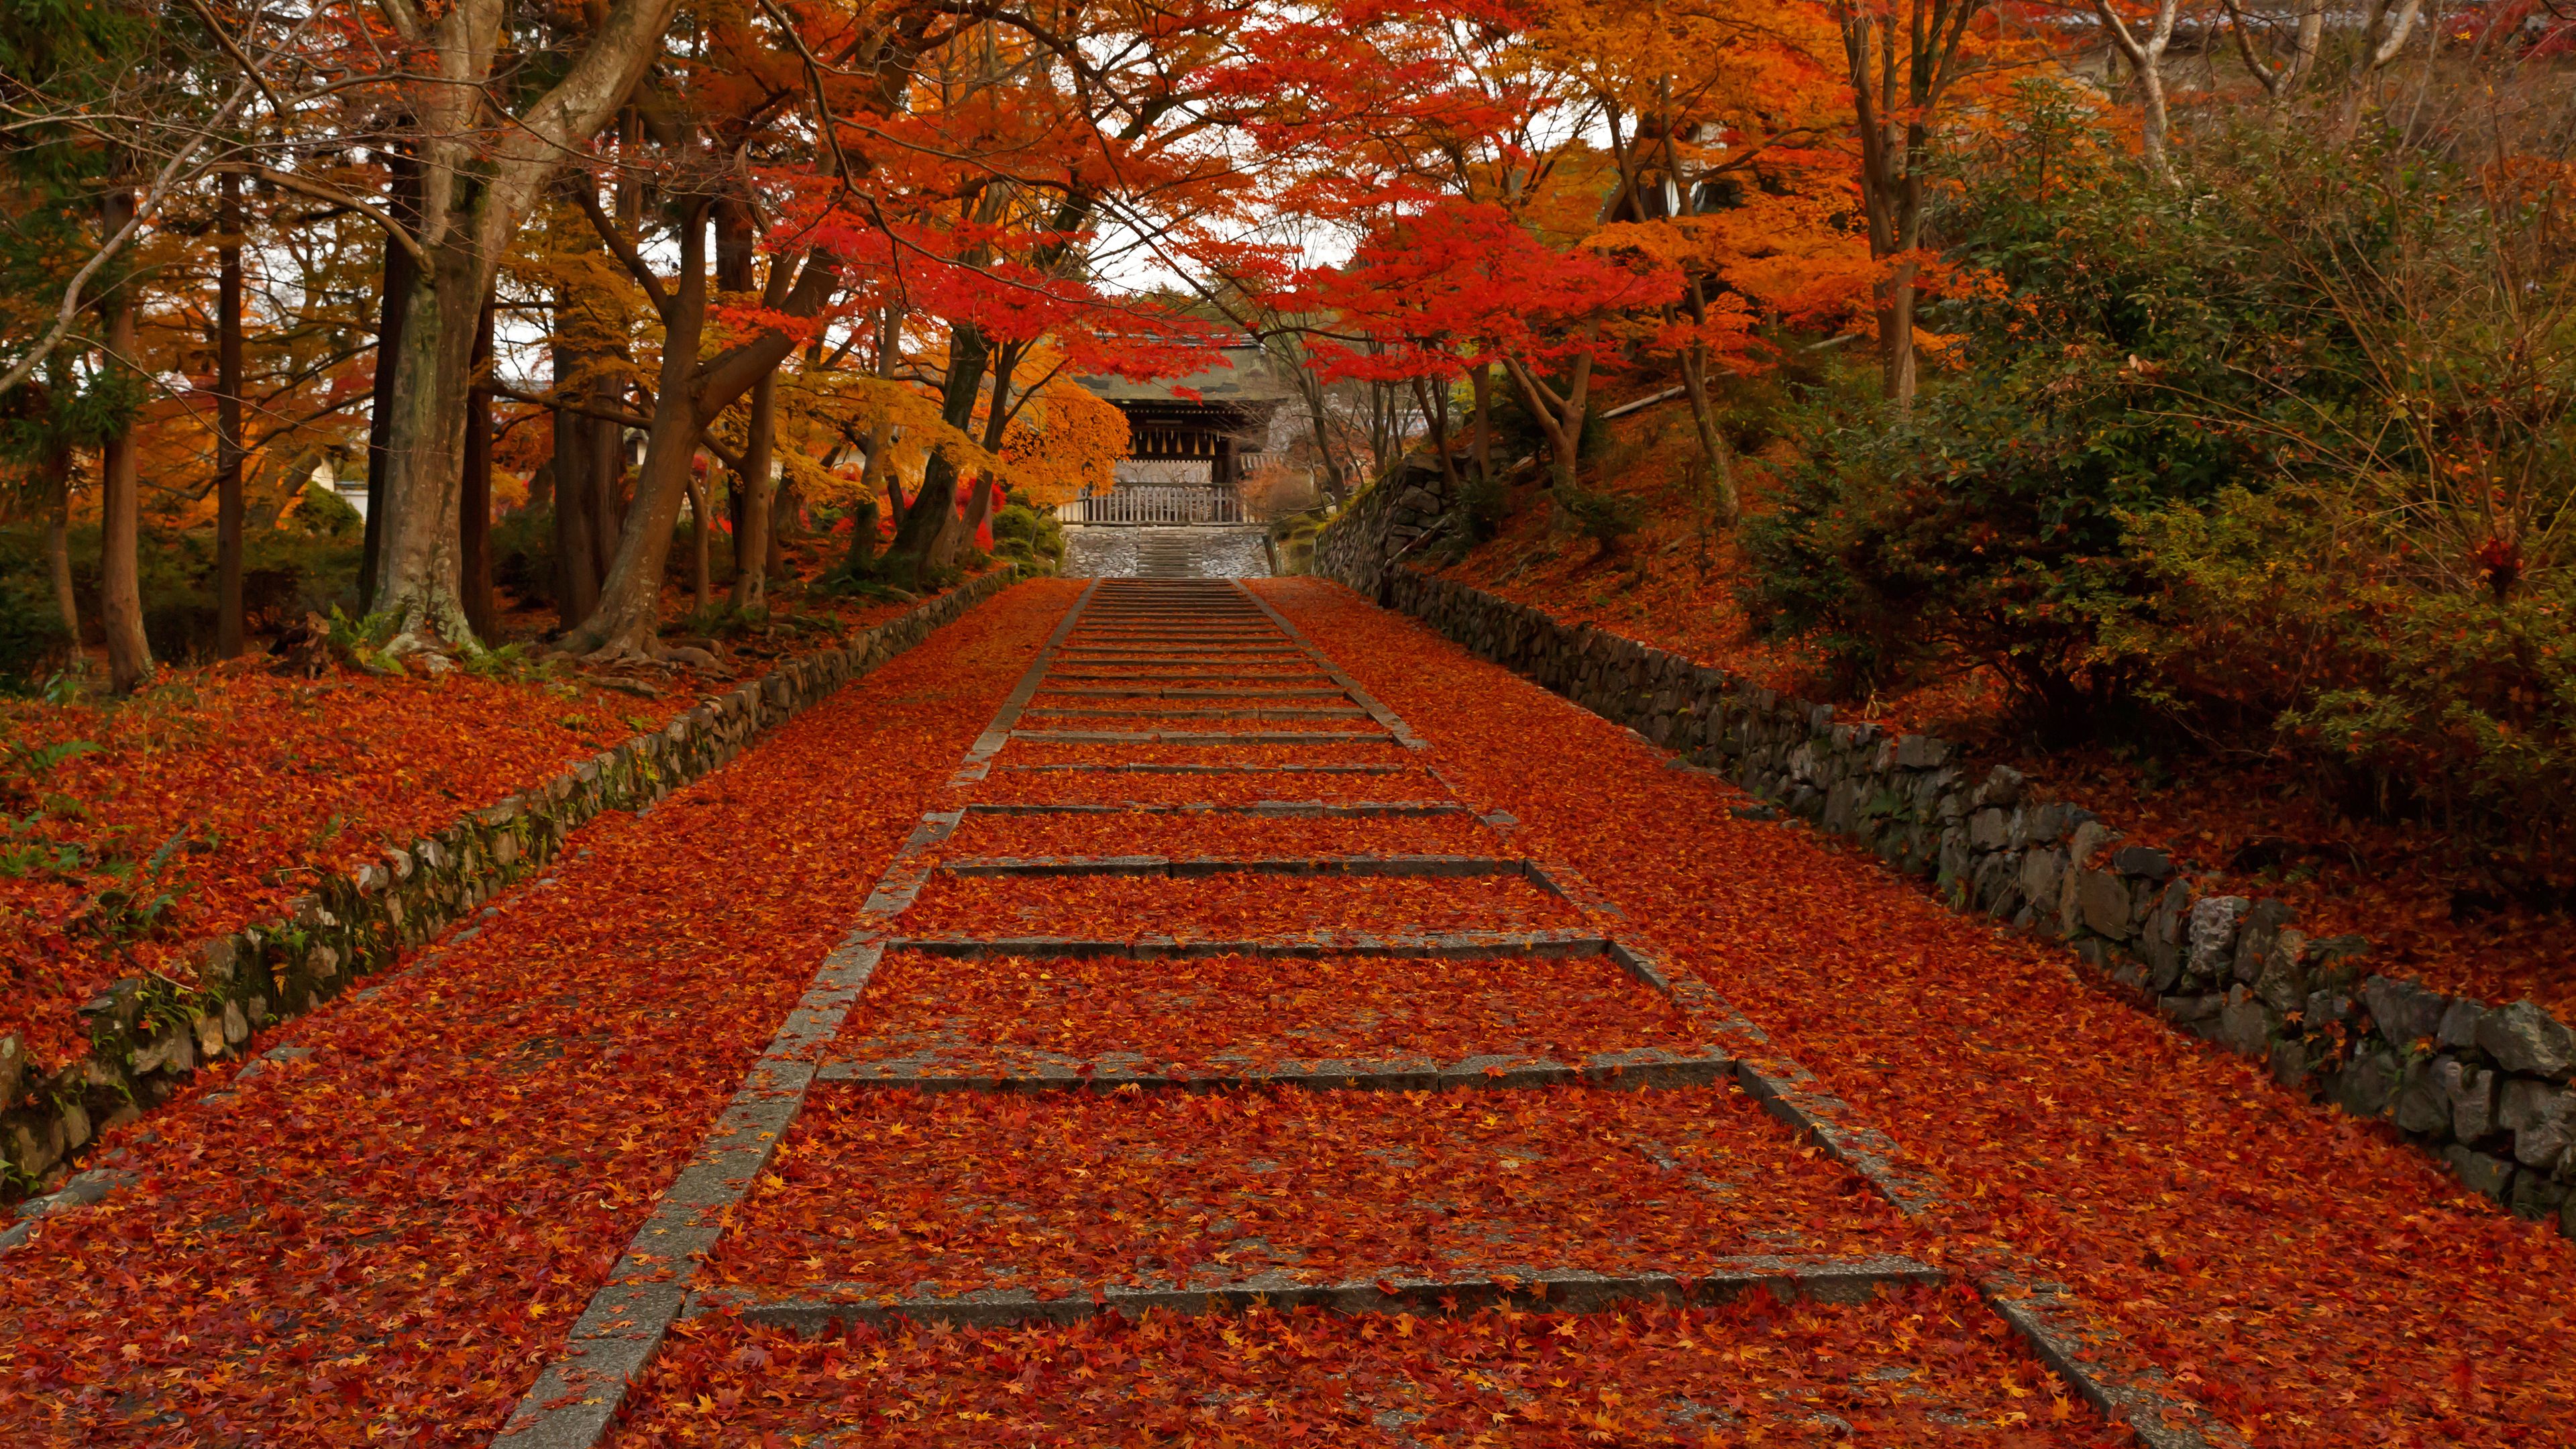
x=659 y=1282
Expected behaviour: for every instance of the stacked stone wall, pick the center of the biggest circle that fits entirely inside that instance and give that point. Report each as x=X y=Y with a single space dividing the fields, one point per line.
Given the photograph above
x=148 y=1034
x=2486 y=1087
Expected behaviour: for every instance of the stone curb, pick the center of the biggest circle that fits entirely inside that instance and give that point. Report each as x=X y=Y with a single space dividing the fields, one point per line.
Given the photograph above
x=2486 y=1088
x=1188 y=866
x=1284 y=809
x=1824 y=1280
x=1202 y=737
x=2125 y=1395
x=1641 y=1068
x=1454 y=944
x=148 y=1035
x=1179 y=769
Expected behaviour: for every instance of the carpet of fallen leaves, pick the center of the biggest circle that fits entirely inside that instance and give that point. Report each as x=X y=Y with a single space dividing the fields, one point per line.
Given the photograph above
x=382 y=1242
x=1200 y=833
x=1919 y=1368
x=1229 y=907
x=916 y=1194
x=1207 y=1013
x=2307 y=1276
x=264 y=782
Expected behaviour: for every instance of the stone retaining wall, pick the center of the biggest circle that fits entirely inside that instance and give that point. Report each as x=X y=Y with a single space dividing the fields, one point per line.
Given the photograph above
x=147 y=1034
x=2485 y=1087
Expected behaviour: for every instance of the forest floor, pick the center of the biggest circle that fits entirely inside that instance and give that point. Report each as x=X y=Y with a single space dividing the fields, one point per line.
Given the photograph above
x=131 y=829
x=2433 y=910
x=652 y=1088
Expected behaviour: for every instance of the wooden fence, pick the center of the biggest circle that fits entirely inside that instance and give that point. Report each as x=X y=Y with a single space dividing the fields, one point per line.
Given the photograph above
x=1151 y=503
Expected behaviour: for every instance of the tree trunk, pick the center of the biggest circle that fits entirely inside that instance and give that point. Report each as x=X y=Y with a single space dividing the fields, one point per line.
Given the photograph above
x=120 y=605
x=480 y=178
x=2147 y=57
x=630 y=599
x=420 y=575
x=929 y=520
x=58 y=539
x=1727 y=504
x=1897 y=362
x=699 y=525
x=1438 y=418
x=396 y=276
x=576 y=549
x=1559 y=418
x=228 y=421
x=785 y=508
x=1480 y=379
x=753 y=538
x=474 y=507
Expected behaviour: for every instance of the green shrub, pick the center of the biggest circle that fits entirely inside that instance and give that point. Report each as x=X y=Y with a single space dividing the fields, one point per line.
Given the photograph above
x=1482 y=506
x=1605 y=518
x=33 y=642
x=2129 y=360
x=1036 y=530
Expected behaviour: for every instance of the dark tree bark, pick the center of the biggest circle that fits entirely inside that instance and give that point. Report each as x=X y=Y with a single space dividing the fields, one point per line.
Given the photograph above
x=576 y=546
x=398 y=274
x=228 y=422
x=120 y=605
x=474 y=501
x=928 y=533
x=58 y=537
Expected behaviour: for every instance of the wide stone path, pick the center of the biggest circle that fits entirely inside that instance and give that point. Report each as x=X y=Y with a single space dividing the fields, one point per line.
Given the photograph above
x=1203 y=1067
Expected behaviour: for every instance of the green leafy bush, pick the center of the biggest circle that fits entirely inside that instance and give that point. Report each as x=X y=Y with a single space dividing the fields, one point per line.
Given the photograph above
x=33 y=642
x=2127 y=358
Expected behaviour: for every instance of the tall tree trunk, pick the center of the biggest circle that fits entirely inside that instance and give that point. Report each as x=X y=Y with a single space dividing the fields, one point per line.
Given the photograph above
x=474 y=507
x=2147 y=57
x=753 y=536
x=1900 y=69
x=929 y=521
x=700 y=524
x=785 y=509
x=576 y=549
x=479 y=181
x=1438 y=417
x=58 y=539
x=1480 y=379
x=630 y=599
x=754 y=492
x=395 y=276
x=120 y=605
x=228 y=421
x=691 y=395
x=997 y=426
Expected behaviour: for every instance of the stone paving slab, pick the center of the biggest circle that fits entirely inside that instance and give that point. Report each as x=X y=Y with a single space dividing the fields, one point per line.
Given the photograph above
x=1185 y=866
x=1202 y=737
x=1252 y=712
x=1246 y=692
x=1636 y=1068
x=1287 y=809
x=1530 y=1288
x=1362 y=767
x=1454 y=944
